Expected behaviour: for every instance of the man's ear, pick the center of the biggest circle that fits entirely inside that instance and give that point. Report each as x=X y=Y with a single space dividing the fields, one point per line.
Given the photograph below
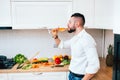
x=77 y=23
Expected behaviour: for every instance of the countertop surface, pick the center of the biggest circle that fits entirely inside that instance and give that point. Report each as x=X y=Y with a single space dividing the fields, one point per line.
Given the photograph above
x=40 y=69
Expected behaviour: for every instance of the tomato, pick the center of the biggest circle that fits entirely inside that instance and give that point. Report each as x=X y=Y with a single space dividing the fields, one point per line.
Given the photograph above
x=57 y=60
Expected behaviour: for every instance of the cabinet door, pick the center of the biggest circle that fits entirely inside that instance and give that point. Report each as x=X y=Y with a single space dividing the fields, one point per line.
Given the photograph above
x=38 y=76
x=5 y=17
x=3 y=76
x=41 y=0
x=24 y=76
x=35 y=15
x=54 y=76
x=104 y=14
x=86 y=7
x=67 y=75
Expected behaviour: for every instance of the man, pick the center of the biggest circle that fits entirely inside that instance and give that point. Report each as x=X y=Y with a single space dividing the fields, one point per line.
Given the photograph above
x=84 y=58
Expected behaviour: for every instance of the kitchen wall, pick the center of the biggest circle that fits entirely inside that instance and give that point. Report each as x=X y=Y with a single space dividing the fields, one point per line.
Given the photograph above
x=103 y=39
x=109 y=39
x=29 y=42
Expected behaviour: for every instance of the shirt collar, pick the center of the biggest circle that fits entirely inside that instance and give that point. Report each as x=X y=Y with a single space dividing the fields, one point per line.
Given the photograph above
x=80 y=33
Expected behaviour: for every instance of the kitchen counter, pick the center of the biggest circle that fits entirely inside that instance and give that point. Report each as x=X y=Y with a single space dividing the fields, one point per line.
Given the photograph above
x=41 y=69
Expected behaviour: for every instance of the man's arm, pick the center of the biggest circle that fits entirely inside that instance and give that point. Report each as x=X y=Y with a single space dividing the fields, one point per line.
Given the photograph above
x=57 y=40
x=93 y=64
x=59 y=43
x=54 y=33
x=92 y=59
x=88 y=76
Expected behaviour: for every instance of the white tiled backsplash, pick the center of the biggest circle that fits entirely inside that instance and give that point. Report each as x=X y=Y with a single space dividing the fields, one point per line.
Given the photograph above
x=29 y=42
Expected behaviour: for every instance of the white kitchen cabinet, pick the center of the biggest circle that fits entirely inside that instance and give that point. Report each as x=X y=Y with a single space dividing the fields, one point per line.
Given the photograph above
x=98 y=13
x=85 y=7
x=104 y=14
x=3 y=76
x=117 y=17
x=5 y=16
x=38 y=76
x=35 y=15
x=67 y=75
x=41 y=0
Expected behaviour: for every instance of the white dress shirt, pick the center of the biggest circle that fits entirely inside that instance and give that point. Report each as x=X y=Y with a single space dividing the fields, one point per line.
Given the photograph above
x=84 y=57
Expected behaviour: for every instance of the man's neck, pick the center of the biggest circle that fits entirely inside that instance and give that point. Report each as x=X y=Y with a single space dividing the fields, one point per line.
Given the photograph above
x=78 y=30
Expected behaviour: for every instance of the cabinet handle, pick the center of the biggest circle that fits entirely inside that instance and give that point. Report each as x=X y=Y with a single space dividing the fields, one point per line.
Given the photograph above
x=38 y=73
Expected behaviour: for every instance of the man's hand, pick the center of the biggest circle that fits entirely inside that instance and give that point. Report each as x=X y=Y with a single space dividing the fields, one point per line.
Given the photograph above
x=54 y=32
x=88 y=76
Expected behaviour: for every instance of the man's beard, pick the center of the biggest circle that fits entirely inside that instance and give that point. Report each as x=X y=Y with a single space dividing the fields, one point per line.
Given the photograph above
x=71 y=30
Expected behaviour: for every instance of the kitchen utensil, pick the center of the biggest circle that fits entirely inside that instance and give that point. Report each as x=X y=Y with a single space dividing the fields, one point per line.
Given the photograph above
x=21 y=65
x=57 y=66
x=34 y=55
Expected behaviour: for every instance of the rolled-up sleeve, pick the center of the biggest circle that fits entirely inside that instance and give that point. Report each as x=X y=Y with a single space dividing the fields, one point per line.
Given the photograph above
x=92 y=59
x=64 y=44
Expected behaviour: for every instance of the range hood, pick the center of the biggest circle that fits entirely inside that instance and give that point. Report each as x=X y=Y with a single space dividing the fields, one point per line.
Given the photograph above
x=5 y=27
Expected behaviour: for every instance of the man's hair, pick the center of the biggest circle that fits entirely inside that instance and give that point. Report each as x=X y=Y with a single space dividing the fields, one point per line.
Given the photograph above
x=79 y=15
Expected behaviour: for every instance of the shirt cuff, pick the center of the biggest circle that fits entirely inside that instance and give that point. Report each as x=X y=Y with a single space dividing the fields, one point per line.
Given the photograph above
x=61 y=44
x=92 y=70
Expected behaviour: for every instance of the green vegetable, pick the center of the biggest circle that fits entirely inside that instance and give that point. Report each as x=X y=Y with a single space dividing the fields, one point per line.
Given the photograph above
x=65 y=62
x=19 y=58
x=43 y=59
x=28 y=66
